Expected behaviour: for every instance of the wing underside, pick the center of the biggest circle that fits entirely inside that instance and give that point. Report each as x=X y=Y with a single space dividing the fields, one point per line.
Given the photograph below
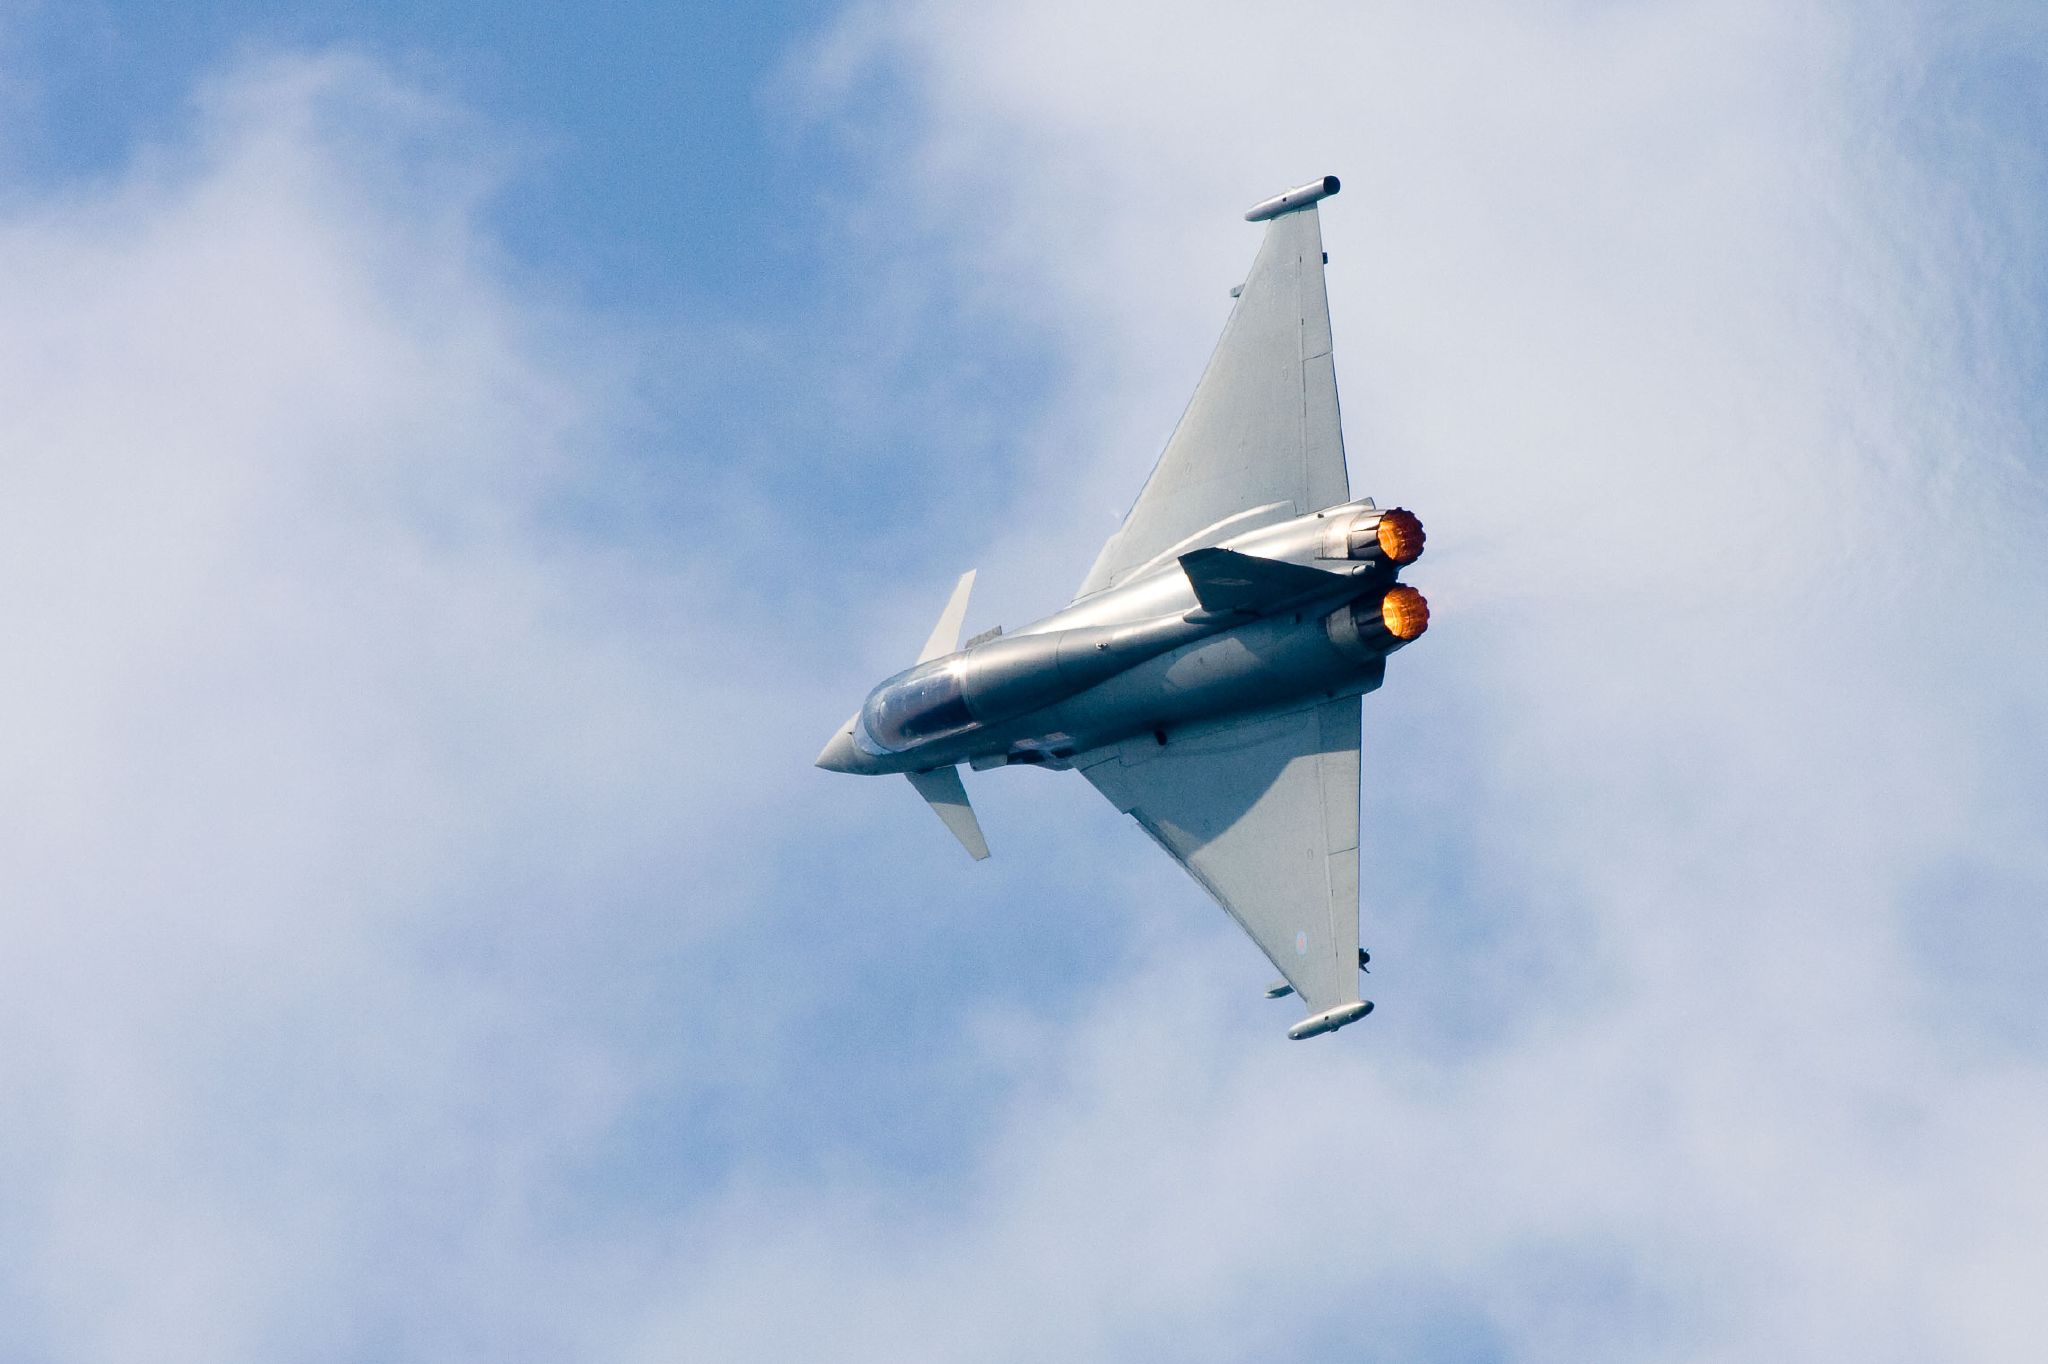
x=1264 y=814
x=1262 y=429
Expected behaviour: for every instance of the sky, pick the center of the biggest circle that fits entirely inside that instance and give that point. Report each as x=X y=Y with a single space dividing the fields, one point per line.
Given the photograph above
x=457 y=465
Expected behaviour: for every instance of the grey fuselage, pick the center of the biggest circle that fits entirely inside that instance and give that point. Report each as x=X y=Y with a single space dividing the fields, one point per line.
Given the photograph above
x=1141 y=657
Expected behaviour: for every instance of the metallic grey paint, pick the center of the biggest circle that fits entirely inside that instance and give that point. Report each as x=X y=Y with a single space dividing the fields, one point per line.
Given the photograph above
x=1204 y=678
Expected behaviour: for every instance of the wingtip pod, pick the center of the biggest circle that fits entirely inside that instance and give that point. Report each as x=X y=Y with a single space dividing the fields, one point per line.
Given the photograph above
x=1301 y=196
x=1329 y=1020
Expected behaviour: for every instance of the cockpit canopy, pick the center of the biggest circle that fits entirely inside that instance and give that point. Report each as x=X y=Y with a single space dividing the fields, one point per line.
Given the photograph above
x=912 y=708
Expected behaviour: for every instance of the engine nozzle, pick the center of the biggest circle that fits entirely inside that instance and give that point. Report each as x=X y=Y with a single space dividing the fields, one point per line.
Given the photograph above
x=1404 y=613
x=1393 y=537
x=1373 y=627
x=1400 y=537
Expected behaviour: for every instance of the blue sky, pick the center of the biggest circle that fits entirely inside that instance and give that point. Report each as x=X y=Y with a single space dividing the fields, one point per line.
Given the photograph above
x=456 y=467
x=641 y=125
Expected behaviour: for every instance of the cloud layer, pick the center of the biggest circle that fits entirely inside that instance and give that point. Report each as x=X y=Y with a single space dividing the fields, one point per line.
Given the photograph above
x=426 y=938
x=353 y=787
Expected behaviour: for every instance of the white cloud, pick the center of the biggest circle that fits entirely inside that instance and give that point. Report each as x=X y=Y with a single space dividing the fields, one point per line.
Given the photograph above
x=351 y=796
x=424 y=936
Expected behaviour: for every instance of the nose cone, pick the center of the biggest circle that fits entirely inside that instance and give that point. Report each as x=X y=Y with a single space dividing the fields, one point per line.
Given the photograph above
x=840 y=755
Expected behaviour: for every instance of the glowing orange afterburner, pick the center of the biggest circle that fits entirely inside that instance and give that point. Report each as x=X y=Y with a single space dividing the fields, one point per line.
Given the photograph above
x=1404 y=612
x=1401 y=537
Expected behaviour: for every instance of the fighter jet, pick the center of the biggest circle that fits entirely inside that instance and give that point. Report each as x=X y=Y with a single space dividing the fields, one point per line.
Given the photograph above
x=1206 y=676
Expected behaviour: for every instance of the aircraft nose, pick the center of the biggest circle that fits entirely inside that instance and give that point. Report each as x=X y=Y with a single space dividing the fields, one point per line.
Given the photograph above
x=840 y=755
